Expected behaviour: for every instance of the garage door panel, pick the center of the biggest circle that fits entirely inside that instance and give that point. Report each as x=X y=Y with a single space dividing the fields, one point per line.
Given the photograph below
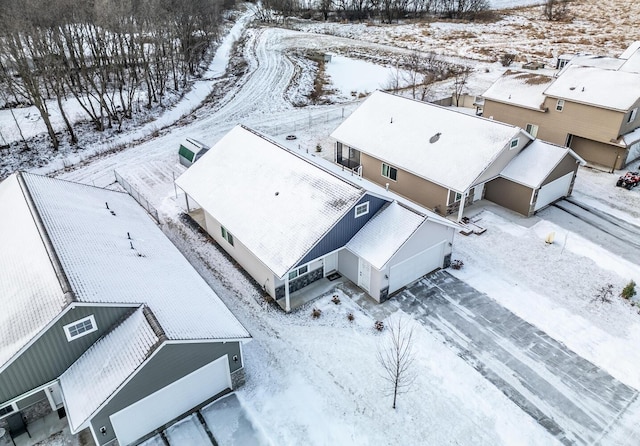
x=415 y=267
x=170 y=402
x=553 y=191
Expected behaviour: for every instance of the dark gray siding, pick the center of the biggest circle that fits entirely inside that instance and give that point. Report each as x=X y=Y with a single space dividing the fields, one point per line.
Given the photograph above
x=171 y=363
x=346 y=228
x=52 y=354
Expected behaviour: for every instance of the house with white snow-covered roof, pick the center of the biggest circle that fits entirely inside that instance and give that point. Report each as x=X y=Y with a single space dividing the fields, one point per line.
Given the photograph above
x=291 y=223
x=102 y=317
x=443 y=159
x=590 y=107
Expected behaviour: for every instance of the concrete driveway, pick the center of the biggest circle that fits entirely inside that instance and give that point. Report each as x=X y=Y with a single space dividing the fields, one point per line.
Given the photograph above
x=573 y=399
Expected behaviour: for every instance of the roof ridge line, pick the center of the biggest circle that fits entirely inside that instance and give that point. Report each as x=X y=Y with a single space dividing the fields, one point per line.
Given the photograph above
x=46 y=241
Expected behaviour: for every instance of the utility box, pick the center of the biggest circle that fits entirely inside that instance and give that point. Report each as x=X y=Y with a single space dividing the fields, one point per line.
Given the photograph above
x=190 y=151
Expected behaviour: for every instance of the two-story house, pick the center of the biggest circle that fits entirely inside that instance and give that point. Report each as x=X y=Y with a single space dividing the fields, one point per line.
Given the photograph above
x=101 y=316
x=446 y=160
x=589 y=108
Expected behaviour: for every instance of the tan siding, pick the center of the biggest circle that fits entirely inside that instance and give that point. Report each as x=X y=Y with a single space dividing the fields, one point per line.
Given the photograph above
x=630 y=126
x=598 y=153
x=554 y=126
x=568 y=164
x=407 y=184
x=510 y=195
x=502 y=160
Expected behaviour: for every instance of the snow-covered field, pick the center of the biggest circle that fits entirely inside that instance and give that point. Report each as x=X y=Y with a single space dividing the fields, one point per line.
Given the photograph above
x=316 y=381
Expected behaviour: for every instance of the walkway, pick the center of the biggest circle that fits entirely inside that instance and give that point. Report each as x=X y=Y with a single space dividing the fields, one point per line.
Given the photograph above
x=573 y=399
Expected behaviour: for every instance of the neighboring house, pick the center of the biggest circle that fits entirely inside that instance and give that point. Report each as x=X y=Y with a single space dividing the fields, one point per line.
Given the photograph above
x=290 y=223
x=447 y=160
x=590 y=107
x=102 y=315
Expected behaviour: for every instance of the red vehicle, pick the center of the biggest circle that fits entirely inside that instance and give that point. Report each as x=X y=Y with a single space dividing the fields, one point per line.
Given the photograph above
x=629 y=180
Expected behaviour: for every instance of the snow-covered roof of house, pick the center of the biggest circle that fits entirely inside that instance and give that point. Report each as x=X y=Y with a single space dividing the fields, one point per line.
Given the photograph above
x=632 y=64
x=98 y=373
x=590 y=60
x=535 y=162
x=399 y=131
x=631 y=137
x=292 y=202
x=611 y=89
x=385 y=233
x=119 y=255
x=631 y=50
x=520 y=88
x=28 y=281
x=114 y=255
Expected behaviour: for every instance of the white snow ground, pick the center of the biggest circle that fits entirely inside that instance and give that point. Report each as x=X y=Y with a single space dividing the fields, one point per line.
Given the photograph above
x=316 y=381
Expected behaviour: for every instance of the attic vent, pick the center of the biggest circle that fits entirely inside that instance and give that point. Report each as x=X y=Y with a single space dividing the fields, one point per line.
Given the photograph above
x=572 y=88
x=277 y=193
x=582 y=88
x=435 y=138
x=392 y=120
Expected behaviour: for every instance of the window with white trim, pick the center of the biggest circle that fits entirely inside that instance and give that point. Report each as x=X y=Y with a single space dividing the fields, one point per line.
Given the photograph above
x=514 y=143
x=560 y=105
x=389 y=172
x=226 y=235
x=362 y=209
x=298 y=272
x=454 y=197
x=632 y=115
x=532 y=130
x=80 y=328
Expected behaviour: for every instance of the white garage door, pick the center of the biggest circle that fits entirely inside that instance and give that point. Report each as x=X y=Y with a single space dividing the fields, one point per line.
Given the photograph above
x=170 y=402
x=553 y=191
x=415 y=267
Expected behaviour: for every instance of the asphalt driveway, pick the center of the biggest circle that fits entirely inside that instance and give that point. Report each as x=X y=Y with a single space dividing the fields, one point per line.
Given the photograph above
x=573 y=399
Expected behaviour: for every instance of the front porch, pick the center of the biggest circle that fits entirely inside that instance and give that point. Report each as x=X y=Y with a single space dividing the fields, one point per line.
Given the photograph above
x=50 y=428
x=313 y=291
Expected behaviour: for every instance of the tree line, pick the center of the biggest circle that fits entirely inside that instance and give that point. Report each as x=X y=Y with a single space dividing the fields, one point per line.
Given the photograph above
x=387 y=11
x=112 y=56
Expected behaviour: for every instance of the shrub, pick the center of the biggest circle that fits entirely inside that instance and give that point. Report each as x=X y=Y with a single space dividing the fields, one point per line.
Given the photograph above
x=335 y=299
x=378 y=325
x=457 y=264
x=629 y=290
x=507 y=59
x=316 y=312
x=604 y=294
x=350 y=317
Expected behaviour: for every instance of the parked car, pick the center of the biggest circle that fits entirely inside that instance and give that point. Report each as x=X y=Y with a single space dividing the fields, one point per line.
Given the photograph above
x=190 y=151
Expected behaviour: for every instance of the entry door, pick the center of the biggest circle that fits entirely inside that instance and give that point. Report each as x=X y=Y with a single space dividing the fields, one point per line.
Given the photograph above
x=330 y=263
x=364 y=275
x=55 y=396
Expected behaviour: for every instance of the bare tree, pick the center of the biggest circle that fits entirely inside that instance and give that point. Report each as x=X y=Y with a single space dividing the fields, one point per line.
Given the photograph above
x=556 y=10
x=396 y=357
x=461 y=77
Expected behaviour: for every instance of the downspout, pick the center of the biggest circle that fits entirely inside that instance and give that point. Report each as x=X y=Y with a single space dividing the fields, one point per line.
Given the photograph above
x=46 y=241
x=287 y=300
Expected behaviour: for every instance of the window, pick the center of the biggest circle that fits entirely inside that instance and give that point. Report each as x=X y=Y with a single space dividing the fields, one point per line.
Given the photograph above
x=6 y=410
x=80 y=328
x=632 y=115
x=457 y=196
x=560 y=105
x=532 y=130
x=362 y=209
x=226 y=235
x=514 y=143
x=298 y=272
x=389 y=172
